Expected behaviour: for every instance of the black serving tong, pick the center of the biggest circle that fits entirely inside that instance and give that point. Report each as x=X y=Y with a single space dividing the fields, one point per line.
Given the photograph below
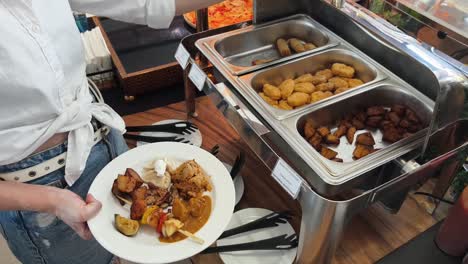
x=270 y=220
x=281 y=242
x=155 y=139
x=181 y=128
x=238 y=164
x=215 y=150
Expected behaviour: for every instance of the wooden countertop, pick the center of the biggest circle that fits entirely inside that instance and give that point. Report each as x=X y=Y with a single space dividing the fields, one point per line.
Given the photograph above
x=369 y=236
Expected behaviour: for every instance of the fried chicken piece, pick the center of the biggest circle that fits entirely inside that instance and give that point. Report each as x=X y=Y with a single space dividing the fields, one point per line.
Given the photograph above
x=319 y=79
x=339 y=82
x=342 y=70
x=392 y=116
x=137 y=209
x=358 y=124
x=328 y=153
x=126 y=183
x=298 y=99
x=268 y=99
x=323 y=131
x=272 y=91
x=283 y=104
x=399 y=109
x=286 y=88
x=305 y=87
x=391 y=134
x=316 y=141
x=411 y=116
x=350 y=134
x=374 y=121
x=365 y=139
x=309 y=129
x=361 y=151
x=304 y=78
x=337 y=160
x=340 y=131
x=327 y=73
x=354 y=82
x=375 y=111
x=341 y=90
x=332 y=140
x=139 y=193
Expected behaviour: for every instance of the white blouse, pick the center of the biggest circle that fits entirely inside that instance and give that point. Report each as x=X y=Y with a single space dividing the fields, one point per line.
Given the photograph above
x=43 y=86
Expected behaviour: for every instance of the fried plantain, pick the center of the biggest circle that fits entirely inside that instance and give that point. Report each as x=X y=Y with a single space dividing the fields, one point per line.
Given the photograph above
x=375 y=111
x=323 y=131
x=361 y=151
x=350 y=134
x=309 y=129
x=328 y=153
x=365 y=139
x=340 y=131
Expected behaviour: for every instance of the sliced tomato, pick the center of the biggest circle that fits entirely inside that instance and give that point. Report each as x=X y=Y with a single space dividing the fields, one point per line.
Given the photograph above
x=162 y=219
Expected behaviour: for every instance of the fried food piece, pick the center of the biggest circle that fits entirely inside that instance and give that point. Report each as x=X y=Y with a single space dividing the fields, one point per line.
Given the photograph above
x=411 y=116
x=354 y=82
x=297 y=45
x=309 y=46
x=399 y=109
x=126 y=183
x=361 y=151
x=340 y=131
x=365 y=139
x=345 y=123
x=316 y=141
x=196 y=206
x=283 y=47
x=304 y=87
x=268 y=99
x=323 y=131
x=283 y=104
x=350 y=134
x=298 y=99
x=272 y=91
x=139 y=193
x=358 y=124
x=261 y=61
x=341 y=90
x=180 y=210
x=386 y=124
x=342 y=70
x=375 y=111
x=405 y=123
x=328 y=153
x=332 y=139
x=392 y=116
x=391 y=134
x=190 y=173
x=374 y=121
x=319 y=79
x=327 y=73
x=309 y=129
x=328 y=86
x=286 y=88
x=319 y=95
x=337 y=160
x=361 y=116
x=137 y=209
x=339 y=82
x=132 y=173
x=304 y=78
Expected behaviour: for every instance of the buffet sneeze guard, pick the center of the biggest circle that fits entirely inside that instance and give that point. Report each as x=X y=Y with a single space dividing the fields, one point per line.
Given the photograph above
x=327 y=202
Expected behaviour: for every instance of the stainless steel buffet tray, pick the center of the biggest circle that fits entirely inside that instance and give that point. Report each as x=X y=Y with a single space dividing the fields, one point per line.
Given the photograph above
x=237 y=49
x=253 y=82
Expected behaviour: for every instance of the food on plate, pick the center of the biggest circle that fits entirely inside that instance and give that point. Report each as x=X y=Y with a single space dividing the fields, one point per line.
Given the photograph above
x=261 y=61
x=175 y=210
x=283 y=47
x=127 y=227
x=342 y=70
x=318 y=86
x=395 y=123
x=297 y=45
x=225 y=13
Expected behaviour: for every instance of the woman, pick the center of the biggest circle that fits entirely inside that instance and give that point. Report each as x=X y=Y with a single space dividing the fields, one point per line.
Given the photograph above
x=54 y=135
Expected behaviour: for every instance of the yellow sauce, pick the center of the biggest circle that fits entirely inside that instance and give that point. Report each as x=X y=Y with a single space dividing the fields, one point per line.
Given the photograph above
x=192 y=224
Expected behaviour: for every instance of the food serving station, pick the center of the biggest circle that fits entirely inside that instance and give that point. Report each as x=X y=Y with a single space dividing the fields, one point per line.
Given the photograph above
x=395 y=69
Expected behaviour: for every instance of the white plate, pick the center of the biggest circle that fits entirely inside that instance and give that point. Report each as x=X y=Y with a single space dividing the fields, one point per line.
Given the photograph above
x=145 y=246
x=238 y=184
x=194 y=138
x=256 y=256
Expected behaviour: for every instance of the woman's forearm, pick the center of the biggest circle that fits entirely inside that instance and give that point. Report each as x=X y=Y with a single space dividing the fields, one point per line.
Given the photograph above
x=184 y=6
x=27 y=197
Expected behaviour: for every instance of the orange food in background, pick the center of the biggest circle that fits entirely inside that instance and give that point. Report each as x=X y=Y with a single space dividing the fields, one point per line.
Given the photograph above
x=226 y=13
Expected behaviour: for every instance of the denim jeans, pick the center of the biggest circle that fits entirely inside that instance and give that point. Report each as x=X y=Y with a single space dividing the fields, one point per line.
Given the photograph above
x=43 y=238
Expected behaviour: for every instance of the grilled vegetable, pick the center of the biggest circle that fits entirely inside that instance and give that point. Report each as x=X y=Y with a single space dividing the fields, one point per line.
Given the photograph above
x=148 y=212
x=171 y=226
x=126 y=226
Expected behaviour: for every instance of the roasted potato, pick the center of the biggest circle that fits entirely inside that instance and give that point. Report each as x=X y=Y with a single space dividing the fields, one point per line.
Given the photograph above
x=137 y=209
x=328 y=153
x=328 y=86
x=354 y=82
x=297 y=45
x=332 y=139
x=309 y=129
x=286 y=88
x=350 y=134
x=365 y=139
x=298 y=99
x=342 y=70
x=139 y=193
x=283 y=47
x=304 y=87
x=361 y=151
x=323 y=131
x=131 y=172
x=327 y=73
x=126 y=183
x=283 y=104
x=316 y=141
x=339 y=82
x=268 y=99
x=340 y=131
x=272 y=91
x=309 y=46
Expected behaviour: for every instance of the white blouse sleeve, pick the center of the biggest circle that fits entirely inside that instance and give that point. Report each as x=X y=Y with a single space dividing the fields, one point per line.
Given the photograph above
x=154 y=13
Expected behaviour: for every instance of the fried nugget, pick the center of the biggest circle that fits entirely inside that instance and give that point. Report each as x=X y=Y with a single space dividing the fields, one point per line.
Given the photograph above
x=375 y=110
x=304 y=87
x=365 y=139
x=309 y=46
x=341 y=90
x=342 y=70
x=328 y=86
x=328 y=153
x=309 y=129
x=286 y=88
x=272 y=91
x=283 y=104
x=283 y=47
x=340 y=131
x=304 y=78
x=339 y=82
x=298 y=99
x=350 y=134
x=327 y=73
x=332 y=139
x=361 y=151
x=354 y=82
x=323 y=131
x=316 y=141
x=297 y=45
x=126 y=183
x=268 y=99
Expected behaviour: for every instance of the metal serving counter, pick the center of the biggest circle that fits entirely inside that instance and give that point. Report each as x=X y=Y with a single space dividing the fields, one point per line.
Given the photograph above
x=403 y=69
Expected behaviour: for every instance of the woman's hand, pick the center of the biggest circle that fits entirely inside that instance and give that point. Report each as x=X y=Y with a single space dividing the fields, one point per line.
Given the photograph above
x=71 y=209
